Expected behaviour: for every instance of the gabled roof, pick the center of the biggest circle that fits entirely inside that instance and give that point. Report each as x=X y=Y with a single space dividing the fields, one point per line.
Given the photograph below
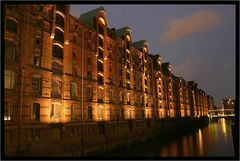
x=91 y=14
x=155 y=63
x=139 y=44
x=121 y=32
x=88 y=17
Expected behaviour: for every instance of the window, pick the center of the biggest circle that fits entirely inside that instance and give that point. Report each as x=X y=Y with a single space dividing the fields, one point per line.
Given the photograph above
x=100 y=95
x=73 y=113
x=9 y=79
x=11 y=26
x=100 y=54
x=89 y=60
x=100 y=113
x=74 y=39
x=110 y=69
x=110 y=96
x=37 y=43
x=59 y=35
x=59 y=20
x=128 y=76
x=36 y=85
x=35 y=115
x=100 y=79
x=89 y=112
x=89 y=93
x=36 y=60
x=61 y=7
x=100 y=29
x=56 y=110
x=74 y=71
x=100 y=41
x=73 y=89
x=57 y=52
x=89 y=75
x=56 y=89
x=110 y=113
x=122 y=113
x=128 y=97
x=10 y=51
x=7 y=111
x=100 y=66
x=74 y=56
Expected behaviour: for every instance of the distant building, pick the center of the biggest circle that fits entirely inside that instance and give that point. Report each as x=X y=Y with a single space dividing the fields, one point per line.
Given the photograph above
x=228 y=103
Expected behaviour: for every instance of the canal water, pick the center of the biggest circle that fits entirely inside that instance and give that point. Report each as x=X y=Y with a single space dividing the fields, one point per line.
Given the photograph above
x=215 y=140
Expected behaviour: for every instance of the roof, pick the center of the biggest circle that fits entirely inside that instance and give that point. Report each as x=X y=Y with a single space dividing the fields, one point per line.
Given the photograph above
x=139 y=44
x=88 y=17
x=121 y=32
x=155 y=63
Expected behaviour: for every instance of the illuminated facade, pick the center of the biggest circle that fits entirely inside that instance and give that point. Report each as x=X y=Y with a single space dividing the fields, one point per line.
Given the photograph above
x=60 y=69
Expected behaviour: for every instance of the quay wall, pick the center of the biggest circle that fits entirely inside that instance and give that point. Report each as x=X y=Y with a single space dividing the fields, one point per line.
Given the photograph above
x=90 y=138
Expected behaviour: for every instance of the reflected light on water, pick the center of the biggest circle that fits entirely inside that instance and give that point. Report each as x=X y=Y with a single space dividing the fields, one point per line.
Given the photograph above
x=200 y=139
x=223 y=125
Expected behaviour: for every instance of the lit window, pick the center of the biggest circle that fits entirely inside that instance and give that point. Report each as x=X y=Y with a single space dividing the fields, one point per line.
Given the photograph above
x=100 y=95
x=11 y=26
x=9 y=79
x=7 y=111
x=36 y=60
x=56 y=110
x=35 y=115
x=100 y=113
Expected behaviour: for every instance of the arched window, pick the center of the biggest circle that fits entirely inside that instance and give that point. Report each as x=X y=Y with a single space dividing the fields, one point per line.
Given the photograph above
x=59 y=20
x=10 y=51
x=61 y=7
x=11 y=26
x=100 y=66
x=100 y=79
x=57 y=52
x=59 y=35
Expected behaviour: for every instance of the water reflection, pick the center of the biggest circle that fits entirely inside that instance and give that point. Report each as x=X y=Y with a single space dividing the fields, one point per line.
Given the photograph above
x=212 y=140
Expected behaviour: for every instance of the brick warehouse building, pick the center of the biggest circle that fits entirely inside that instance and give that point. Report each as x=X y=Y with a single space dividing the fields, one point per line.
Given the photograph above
x=78 y=72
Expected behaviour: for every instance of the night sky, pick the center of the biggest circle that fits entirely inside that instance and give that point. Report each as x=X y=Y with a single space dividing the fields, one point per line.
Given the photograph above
x=198 y=40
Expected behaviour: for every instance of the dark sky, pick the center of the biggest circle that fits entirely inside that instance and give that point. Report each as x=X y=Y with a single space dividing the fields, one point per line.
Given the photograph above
x=198 y=40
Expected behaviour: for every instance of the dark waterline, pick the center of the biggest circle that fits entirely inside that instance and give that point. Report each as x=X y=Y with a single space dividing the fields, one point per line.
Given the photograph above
x=214 y=140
